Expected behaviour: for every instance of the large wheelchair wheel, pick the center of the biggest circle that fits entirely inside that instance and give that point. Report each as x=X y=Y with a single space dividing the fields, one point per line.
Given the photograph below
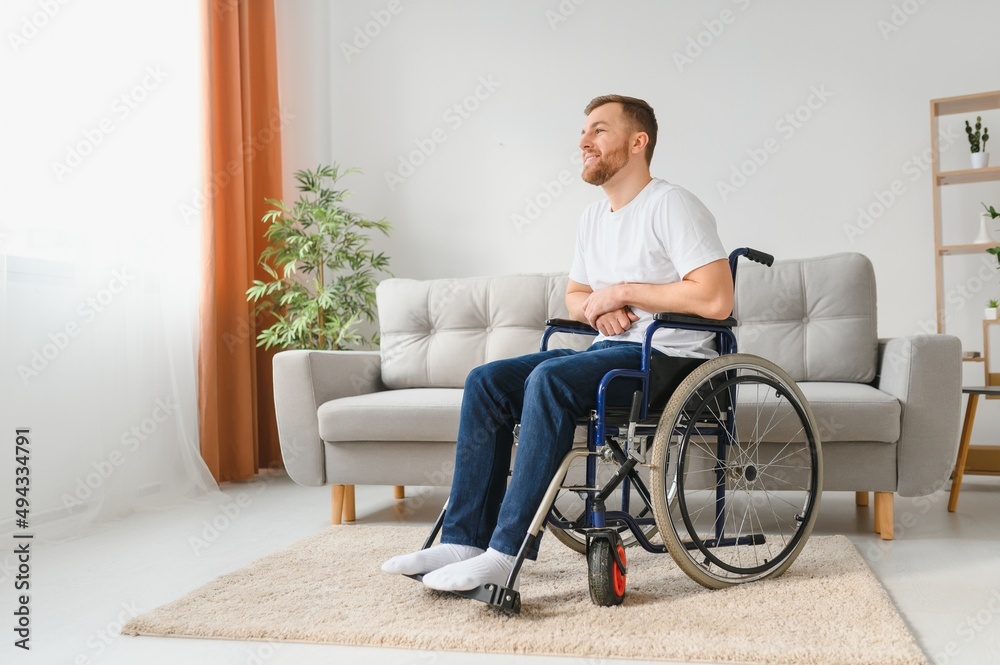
x=736 y=486
x=570 y=506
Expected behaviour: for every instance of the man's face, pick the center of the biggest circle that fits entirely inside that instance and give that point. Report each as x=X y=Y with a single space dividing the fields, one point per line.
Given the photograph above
x=604 y=144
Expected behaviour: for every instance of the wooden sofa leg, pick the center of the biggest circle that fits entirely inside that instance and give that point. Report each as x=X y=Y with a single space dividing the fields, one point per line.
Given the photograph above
x=348 y=503
x=337 y=504
x=883 y=514
x=399 y=492
x=342 y=504
x=861 y=499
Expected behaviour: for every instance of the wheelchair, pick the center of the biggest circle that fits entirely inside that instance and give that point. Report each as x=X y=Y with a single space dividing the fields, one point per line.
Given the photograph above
x=722 y=461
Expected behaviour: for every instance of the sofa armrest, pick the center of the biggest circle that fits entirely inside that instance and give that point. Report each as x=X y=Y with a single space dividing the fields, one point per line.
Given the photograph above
x=924 y=372
x=303 y=380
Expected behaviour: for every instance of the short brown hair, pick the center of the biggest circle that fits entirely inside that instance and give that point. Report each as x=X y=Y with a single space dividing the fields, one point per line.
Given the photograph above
x=639 y=114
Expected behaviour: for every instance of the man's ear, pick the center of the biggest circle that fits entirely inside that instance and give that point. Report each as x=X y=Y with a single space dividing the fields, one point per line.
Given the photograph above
x=639 y=142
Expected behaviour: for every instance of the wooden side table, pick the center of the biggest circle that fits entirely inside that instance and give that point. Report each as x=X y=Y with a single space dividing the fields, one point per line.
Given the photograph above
x=963 y=446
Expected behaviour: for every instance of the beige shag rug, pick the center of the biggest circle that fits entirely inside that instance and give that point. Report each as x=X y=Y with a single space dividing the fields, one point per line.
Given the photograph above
x=828 y=607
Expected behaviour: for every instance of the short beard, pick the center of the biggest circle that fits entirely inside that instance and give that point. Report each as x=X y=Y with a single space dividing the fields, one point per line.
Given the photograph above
x=607 y=166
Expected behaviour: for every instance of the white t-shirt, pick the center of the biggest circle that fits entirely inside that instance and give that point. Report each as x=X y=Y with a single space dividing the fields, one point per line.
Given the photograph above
x=660 y=236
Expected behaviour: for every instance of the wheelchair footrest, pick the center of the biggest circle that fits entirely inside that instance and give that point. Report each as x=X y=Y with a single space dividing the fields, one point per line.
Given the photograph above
x=495 y=595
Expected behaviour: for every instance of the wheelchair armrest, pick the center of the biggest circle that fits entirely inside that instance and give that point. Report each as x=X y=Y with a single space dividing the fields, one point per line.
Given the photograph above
x=694 y=320
x=571 y=325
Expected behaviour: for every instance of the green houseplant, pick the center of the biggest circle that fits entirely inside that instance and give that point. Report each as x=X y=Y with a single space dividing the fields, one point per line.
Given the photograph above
x=991 y=310
x=323 y=275
x=977 y=143
x=992 y=212
x=995 y=251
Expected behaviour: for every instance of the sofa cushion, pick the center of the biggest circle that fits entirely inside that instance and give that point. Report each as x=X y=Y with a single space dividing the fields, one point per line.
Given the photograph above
x=843 y=411
x=816 y=318
x=433 y=332
x=418 y=414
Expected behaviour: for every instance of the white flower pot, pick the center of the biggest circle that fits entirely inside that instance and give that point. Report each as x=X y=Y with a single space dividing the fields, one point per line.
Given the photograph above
x=984 y=236
x=990 y=313
x=980 y=160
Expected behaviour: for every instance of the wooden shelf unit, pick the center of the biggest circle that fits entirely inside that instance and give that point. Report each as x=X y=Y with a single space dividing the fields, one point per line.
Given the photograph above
x=981 y=459
x=967 y=104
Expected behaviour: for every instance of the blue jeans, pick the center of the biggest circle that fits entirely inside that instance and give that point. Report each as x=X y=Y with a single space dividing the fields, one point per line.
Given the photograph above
x=547 y=393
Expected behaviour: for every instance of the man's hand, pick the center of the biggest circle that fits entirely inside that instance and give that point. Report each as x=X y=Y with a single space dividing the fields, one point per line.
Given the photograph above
x=605 y=311
x=601 y=302
x=616 y=322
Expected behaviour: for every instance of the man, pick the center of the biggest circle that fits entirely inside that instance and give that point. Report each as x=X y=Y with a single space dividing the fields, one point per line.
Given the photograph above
x=650 y=246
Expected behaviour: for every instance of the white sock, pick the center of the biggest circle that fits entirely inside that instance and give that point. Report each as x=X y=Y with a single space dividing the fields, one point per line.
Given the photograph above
x=489 y=567
x=432 y=558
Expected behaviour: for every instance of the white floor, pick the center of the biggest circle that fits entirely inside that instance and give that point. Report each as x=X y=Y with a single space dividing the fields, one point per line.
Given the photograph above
x=943 y=571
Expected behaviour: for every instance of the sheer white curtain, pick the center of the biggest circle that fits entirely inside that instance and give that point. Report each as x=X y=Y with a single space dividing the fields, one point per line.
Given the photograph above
x=99 y=244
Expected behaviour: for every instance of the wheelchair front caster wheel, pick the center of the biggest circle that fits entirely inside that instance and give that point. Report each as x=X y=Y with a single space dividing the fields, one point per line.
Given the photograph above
x=607 y=567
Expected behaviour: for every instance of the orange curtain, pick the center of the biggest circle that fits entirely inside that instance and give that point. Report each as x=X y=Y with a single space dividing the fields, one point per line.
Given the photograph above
x=236 y=404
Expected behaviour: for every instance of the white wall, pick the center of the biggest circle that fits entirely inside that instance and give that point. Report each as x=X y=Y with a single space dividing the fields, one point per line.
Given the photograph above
x=878 y=63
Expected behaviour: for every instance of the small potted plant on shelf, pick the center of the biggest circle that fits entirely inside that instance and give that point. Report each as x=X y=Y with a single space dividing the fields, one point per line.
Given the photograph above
x=977 y=143
x=990 y=312
x=984 y=227
x=984 y=236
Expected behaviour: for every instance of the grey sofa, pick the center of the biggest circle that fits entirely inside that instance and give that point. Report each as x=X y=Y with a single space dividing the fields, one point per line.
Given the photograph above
x=888 y=410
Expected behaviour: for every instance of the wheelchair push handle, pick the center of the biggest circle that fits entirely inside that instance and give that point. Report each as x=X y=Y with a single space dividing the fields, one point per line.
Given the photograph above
x=754 y=255
x=758 y=256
